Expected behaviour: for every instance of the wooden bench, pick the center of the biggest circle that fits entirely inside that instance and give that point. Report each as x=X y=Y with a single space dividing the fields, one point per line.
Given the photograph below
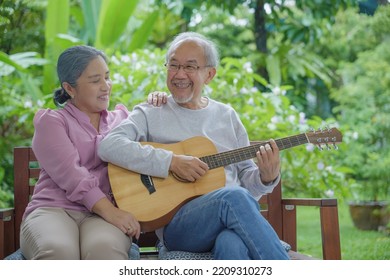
x=281 y=213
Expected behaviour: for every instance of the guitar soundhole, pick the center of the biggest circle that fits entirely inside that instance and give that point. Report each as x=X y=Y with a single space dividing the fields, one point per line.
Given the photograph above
x=148 y=183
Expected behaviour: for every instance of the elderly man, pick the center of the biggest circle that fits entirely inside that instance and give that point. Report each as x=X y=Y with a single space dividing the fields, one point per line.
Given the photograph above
x=225 y=221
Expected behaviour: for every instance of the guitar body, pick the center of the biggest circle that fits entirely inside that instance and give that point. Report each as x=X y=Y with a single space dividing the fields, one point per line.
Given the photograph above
x=154 y=209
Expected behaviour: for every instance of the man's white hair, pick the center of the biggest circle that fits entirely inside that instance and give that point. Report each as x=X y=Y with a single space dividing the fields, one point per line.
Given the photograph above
x=210 y=49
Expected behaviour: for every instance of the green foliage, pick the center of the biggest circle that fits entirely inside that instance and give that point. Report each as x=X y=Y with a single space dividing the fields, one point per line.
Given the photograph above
x=224 y=27
x=20 y=97
x=88 y=18
x=366 y=89
x=135 y=75
x=306 y=21
x=16 y=112
x=139 y=39
x=25 y=16
x=111 y=23
x=350 y=35
x=168 y=24
x=57 y=22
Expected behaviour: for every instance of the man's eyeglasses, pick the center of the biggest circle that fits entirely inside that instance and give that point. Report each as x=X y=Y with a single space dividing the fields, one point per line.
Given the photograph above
x=187 y=68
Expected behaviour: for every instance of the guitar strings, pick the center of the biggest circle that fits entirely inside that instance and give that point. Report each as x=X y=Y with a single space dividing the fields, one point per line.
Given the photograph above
x=229 y=157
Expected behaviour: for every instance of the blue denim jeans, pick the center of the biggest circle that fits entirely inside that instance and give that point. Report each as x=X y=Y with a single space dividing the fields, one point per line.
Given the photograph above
x=226 y=222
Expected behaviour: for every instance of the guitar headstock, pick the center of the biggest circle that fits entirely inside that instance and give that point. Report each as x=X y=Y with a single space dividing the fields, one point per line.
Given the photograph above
x=327 y=137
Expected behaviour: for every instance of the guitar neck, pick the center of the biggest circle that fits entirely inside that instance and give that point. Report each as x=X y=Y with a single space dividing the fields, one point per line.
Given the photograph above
x=241 y=154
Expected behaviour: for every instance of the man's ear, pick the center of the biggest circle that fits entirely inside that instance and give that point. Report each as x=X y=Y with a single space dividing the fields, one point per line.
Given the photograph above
x=211 y=74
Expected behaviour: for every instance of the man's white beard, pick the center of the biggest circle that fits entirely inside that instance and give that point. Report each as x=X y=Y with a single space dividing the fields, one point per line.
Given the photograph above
x=183 y=100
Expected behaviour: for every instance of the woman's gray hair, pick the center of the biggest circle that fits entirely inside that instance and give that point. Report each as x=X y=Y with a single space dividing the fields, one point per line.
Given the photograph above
x=210 y=49
x=71 y=64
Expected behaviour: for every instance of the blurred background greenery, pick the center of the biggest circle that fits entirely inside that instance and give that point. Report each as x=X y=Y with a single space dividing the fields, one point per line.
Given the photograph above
x=287 y=67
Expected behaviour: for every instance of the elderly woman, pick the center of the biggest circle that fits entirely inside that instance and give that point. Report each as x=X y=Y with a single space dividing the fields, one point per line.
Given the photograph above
x=72 y=214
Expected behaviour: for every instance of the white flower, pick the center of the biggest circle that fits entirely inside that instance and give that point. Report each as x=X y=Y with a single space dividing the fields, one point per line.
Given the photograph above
x=138 y=65
x=329 y=193
x=152 y=69
x=276 y=90
x=207 y=90
x=134 y=57
x=320 y=165
x=28 y=104
x=302 y=118
x=130 y=79
x=195 y=20
x=275 y=119
x=244 y=90
x=118 y=78
x=291 y=118
x=271 y=126
x=238 y=22
x=310 y=147
x=248 y=67
x=125 y=58
x=115 y=60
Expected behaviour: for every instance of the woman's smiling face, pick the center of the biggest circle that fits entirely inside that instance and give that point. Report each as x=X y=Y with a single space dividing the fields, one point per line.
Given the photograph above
x=92 y=92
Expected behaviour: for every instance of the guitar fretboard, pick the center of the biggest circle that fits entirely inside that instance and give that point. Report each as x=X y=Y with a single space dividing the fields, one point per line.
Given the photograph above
x=241 y=154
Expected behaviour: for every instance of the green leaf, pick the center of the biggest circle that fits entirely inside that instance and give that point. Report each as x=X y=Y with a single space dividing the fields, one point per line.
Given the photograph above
x=141 y=36
x=26 y=59
x=91 y=11
x=66 y=41
x=57 y=22
x=57 y=19
x=19 y=61
x=114 y=15
x=7 y=60
x=273 y=68
x=31 y=87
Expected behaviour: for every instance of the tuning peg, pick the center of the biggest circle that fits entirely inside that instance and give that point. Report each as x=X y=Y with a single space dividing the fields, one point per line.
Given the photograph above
x=327 y=128
x=335 y=146
x=328 y=147
x=319 y=147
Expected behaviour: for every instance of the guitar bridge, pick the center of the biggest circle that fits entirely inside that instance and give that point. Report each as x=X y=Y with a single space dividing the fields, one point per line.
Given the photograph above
x=148 y=183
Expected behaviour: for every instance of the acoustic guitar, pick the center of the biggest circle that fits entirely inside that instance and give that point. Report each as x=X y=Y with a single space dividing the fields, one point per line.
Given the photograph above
x=154 y=201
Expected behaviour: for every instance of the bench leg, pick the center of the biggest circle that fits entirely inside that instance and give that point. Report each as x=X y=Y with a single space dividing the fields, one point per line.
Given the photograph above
x=290 y=225
x=330 y=233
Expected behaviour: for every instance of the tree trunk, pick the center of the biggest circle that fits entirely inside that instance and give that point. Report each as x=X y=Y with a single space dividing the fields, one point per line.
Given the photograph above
x=260 y=33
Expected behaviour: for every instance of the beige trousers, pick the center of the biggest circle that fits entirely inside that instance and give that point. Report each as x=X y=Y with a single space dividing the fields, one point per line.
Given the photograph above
x=59 y=234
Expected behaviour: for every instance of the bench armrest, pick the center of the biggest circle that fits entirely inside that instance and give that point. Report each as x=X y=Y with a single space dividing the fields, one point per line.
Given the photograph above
x=310 y=201
x=330 y=230
x=7 y=236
